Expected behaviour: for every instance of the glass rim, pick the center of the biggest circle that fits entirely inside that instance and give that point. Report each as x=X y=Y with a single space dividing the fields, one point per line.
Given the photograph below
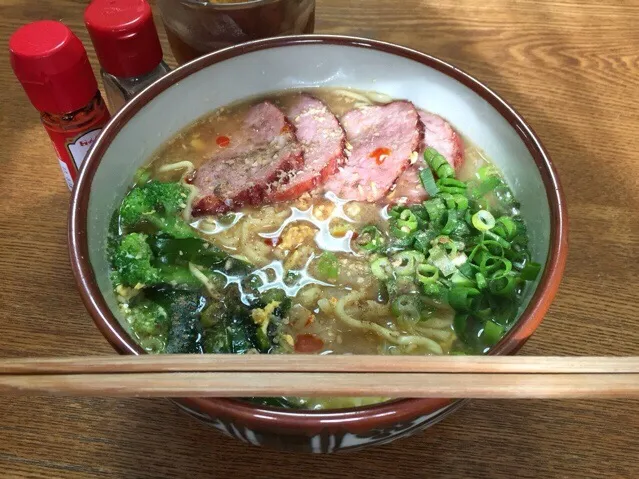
x=227 y=6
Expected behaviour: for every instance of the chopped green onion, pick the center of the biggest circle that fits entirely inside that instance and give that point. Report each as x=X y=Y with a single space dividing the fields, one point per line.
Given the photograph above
x=370 y=239
x=493 y=247
x=407 y=221
x=480 y=279
x=438 y=257
x=401 y=243
x=502 y=286
x=500 y=272
x=506 y=228
x=459 y=259
x=382 y=269
x=448 y=244
x=405 y=262
x=434 y=290
x=397 y=232
x=435 y=208
x=502 y=242
x=486 y=172
x=466 y=269
x=530 y=271
x=459 y=279
x=491 y=265
x=427 y=273
x=483 y=220
x=328 y=265
x=423 y=239
x=406 y=306
x=452 y=182
x=456 y=201
x=438 y=163
x=395 y=211
x=460 y=298
x=451 y=185
x=492 y=333
x=459 y=325
x=428 y=181
x=420 y=212
x=486 y=186
x=451 y=222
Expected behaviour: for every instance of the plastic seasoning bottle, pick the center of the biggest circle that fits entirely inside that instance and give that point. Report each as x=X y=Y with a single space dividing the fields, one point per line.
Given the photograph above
x=127 y=45
x=52 y=66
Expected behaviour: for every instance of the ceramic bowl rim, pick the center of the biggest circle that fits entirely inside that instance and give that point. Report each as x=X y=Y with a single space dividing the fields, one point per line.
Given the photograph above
x=359 y=418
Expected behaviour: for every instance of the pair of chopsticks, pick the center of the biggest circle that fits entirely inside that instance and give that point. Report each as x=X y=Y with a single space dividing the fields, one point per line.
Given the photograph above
x=334 y=375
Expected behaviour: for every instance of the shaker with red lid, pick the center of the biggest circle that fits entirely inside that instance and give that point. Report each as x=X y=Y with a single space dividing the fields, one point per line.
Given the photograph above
x=127 y=45
x=52 y=66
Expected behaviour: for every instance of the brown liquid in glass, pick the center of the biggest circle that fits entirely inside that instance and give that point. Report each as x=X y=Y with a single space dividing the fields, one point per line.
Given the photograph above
x=214 y=29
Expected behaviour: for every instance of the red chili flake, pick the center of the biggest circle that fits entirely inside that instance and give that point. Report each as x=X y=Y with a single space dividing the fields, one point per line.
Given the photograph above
x=308 y=343
x=310 y=320
x=273 y=241
x=223 y=141
x=286 y=128
x=380 y=155
x=355 y=235
x=190 y=178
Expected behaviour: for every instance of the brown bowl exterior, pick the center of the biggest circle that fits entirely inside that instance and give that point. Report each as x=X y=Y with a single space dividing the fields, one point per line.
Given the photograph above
x=332 y=430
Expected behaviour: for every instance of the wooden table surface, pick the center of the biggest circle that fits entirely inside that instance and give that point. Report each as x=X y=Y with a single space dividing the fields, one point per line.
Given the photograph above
x=570 y=67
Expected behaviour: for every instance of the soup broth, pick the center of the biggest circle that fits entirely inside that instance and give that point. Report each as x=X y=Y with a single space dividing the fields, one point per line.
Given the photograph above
x=324 y=274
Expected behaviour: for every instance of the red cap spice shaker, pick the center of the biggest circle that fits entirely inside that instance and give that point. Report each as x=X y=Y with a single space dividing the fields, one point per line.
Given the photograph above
x=52 y=66
x=127 y=45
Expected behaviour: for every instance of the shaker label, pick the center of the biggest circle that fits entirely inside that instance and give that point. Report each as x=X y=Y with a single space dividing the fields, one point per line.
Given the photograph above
x=79 y=148
x=67 y=174
x=71 y=151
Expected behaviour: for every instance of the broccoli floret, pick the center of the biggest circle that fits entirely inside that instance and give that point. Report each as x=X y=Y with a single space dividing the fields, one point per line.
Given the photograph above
x=150 y=324
x=132 y=260
x=157 y=204
x=113 y=235
x=137 y=261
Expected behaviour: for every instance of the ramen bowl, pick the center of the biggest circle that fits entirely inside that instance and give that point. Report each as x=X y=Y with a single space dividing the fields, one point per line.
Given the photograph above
x=260 y=67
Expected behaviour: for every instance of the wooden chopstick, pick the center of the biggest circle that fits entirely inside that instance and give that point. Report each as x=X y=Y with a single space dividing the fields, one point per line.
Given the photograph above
x=313 y=363
x=300 y=375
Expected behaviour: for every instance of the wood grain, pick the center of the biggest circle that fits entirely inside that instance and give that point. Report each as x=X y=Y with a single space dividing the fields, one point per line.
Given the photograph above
x=571 y=67
x=358 y=363
x=323 y=384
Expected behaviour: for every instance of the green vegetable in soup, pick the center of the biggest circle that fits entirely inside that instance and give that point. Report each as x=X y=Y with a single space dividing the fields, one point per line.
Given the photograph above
x=233 y=335
x=233 y=327
x=150 y=324
x=428 y=181
x=132 y=262
x=438 y=163
x=457 y=248
x=169 y=250
x=370 y=239
x=136 y=265
x=328 y=265
x=156 y=206
x=183 y=309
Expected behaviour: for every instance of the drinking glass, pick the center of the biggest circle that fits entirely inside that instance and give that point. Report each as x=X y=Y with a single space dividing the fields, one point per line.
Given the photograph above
x=196 y=27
